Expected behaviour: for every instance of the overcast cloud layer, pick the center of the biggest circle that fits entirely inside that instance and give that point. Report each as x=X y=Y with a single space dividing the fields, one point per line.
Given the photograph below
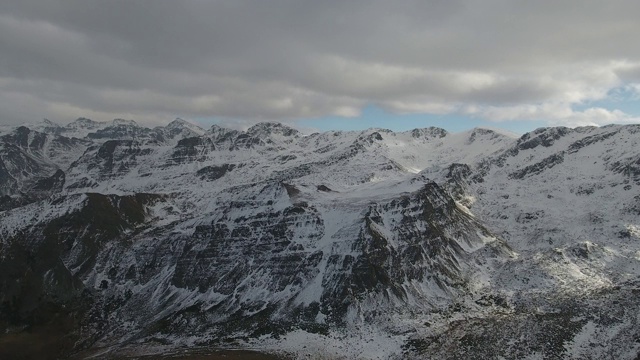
x=282 y=60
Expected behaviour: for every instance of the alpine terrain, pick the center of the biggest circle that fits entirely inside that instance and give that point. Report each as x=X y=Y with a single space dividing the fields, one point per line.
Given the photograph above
x=119 y=240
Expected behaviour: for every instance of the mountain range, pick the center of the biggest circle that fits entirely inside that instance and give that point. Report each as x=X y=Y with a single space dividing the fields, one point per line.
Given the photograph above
x=369 y=244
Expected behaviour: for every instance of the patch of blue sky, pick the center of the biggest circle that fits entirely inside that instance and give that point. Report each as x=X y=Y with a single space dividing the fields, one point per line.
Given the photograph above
x=624 y=98
x=375 y=117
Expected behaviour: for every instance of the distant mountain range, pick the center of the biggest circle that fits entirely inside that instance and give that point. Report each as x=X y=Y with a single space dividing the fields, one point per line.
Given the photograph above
x=369 y=244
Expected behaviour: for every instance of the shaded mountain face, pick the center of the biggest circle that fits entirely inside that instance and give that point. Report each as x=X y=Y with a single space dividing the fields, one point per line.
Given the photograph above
x=374 y=243
x=31 y=161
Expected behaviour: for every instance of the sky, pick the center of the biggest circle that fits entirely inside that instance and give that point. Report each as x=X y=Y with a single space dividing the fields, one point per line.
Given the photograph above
x=402 y=64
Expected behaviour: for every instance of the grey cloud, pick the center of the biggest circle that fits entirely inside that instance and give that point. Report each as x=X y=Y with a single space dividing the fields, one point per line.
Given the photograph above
x=287 y=59
x=629 y=72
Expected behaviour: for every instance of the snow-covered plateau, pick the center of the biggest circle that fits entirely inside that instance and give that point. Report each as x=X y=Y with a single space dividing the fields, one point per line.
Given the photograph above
x=339 y=245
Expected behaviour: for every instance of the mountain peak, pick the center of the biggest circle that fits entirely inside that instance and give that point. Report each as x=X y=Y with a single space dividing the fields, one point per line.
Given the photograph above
x=178 y=122
x=432 y=131
x=181 y=123
x=183 y=128
x=84 y=123
x=489 y=134
x=493 y=131
x=46 y=126
x=270 y=128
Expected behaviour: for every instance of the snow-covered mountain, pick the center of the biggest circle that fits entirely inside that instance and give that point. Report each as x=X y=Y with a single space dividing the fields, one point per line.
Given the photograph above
x=369 y=244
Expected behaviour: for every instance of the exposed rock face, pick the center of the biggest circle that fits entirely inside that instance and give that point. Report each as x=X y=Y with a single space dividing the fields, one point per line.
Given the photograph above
x=419 y=244
x=28 y=158
x=215 y=172
x=539 y=167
